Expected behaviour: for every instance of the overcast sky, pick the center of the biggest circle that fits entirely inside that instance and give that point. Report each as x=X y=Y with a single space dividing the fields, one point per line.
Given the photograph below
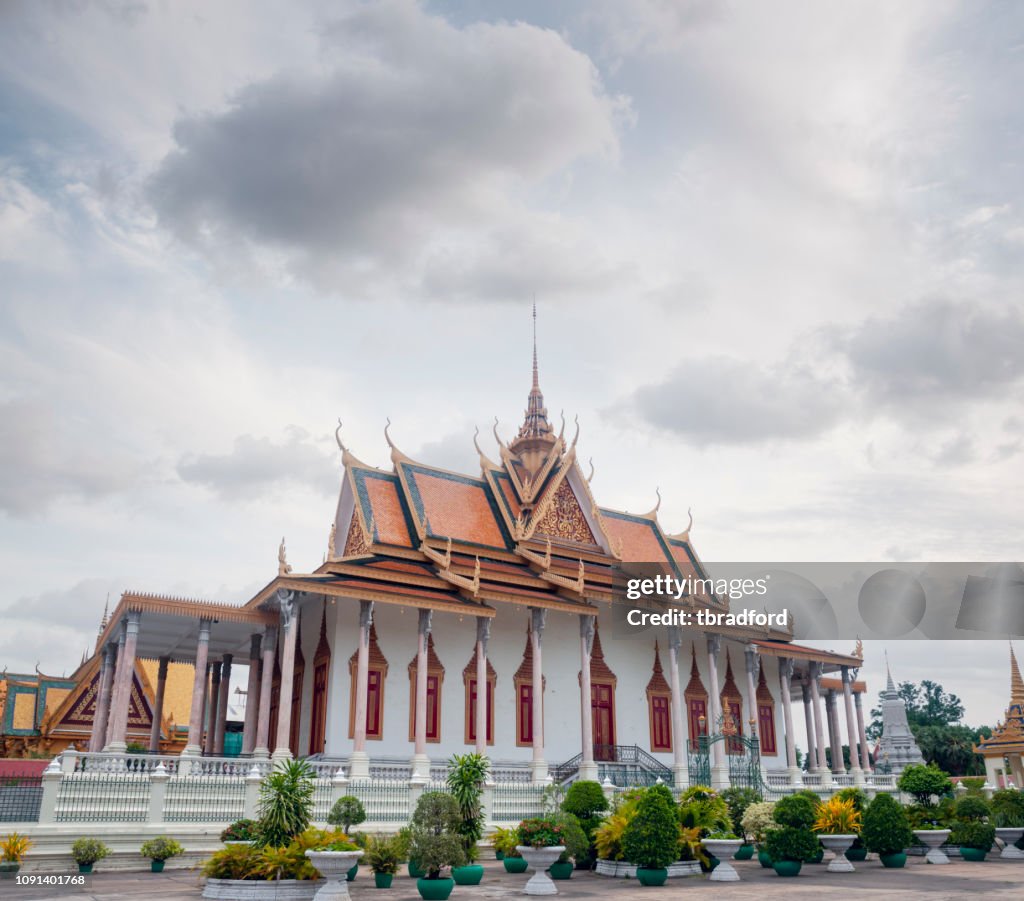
x=776 y=251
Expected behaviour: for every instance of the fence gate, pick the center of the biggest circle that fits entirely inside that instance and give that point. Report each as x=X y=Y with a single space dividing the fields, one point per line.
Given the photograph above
x=745 y=762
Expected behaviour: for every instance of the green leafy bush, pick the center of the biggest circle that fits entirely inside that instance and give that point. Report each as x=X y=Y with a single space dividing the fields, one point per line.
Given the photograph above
x=286 y=803
x=382 y=854
x=506 y=840
x=540 y=832
x=795 y=811
x=466 y=776
x=969 y=808
x=792 y=843
x=585 y=800
x=1008 y=808
x=930 y=817
x=436 y=842
x=857 y=795
x=973 y=834
x=886 y=829
x=161 y=848
x=577 y=845
x=240 y=831
x=924 y=781
x=232 y=862
x=347 y=812
x=651 y=837
x=758 y=819
x=85 y=851
x=703 y=808
x=738 y=800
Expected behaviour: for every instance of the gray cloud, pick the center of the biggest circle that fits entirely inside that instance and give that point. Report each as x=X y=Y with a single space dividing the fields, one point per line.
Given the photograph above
x=412 y=128
x=43 y=458
x=256 y=465
x=722 y=400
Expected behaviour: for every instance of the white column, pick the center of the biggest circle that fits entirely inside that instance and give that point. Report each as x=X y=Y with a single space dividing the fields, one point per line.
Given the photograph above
x=252 y=697
x=679 y=733
x=222 y=704
x=835 y=739
x=819 y=734
x=212 y=704
x=289 y=629
x=865 y=757
x=195 y=720
x=851 y=726
x=125 y=678
x=420 y=760
x=753 y=663
x=98 y=738
x=266 y=688
x=483 y=633
x=359 y=762
x=538 y=764
x=115 y=686
x=588 y=768
x=158 y=705
x=812 y=751
x=785 y=677
x=719 y=770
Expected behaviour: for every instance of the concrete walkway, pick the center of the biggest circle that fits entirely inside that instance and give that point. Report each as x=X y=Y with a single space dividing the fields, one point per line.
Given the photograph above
x=992 y=879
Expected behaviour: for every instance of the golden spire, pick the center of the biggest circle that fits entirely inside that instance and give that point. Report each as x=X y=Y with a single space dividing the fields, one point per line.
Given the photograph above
x=536 y=437
x=1016 y=683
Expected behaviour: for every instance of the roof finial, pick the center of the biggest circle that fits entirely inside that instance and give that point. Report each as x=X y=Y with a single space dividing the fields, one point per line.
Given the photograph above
x=889 y=686
x=1016 y=683
x=536 y=379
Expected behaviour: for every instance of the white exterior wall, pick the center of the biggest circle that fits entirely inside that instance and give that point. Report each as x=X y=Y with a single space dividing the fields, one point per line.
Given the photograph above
x=454 y=637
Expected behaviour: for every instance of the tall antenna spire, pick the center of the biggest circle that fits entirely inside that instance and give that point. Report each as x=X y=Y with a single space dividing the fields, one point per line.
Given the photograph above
x=536 y=379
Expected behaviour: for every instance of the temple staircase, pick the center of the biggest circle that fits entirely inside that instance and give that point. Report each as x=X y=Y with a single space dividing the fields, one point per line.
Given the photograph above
x=622 y=765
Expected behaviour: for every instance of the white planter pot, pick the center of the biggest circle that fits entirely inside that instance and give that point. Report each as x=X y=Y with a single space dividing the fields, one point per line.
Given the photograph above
x=933 y=839
x=1009 y=835
x=837 y=844
x=625 y=870
x=723 y=849
x=334 y=867
x=260 y=890
x=538 y=860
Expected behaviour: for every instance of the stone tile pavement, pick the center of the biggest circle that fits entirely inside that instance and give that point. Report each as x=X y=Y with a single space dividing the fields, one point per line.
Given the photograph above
x=991 y=879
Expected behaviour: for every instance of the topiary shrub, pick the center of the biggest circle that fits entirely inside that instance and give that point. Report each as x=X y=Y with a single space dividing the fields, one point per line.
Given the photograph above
x=650 y=838
x=436 y=842
x=973 y=834
x=585 y=800
x=1008 y=808
x=969 y=808
x=85 y=851
x=577 y=845
x=346 y=813
x=161 y=848
x=791 y=843
x=924 y=781
x=886 y=829
x=795 y=811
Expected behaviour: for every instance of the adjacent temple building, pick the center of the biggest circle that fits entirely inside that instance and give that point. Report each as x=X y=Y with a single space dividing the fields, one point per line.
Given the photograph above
x=1003 y=749
x=471 y=611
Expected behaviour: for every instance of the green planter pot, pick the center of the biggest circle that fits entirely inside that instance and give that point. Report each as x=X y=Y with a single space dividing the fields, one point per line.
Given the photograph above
x=893 y=861
x=744 y=852
x=975 y=854
x=856 y=854
x=787 y=867
x=515 y=864
x=435 y=889
x=85 y=868
x=820 y=857
x=468 y=875
x=156 y=866
x=414 y=870
x=561 y=870
x=9 y=869
x=499 y=855
x=350 y=876
x=647 y=876
x=383 y=880
x=764 y=858
x=712 y=862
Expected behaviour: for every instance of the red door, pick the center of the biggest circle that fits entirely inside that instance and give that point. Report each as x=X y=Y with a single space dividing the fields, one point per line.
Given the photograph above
x=602 y=709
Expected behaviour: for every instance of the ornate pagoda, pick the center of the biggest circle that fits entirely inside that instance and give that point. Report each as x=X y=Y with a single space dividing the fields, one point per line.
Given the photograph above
x=1003 y=749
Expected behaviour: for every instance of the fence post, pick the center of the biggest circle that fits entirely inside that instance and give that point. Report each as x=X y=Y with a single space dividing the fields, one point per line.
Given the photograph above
x=157 y=793
x=67 y=761
x=608 y=789
x=339 y=786
x=52 y=777
x=416 y=786
x=487 y=802
x=252 y=793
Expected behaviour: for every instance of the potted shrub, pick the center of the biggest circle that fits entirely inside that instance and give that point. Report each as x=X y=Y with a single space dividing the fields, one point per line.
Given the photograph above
x=577 y=846
x=382 y=854
x=240 y=832
x=792 y=843
x=925 y=782
x=286 y=803
x=12 y=852
x=86 y=851
x=586 y=801
x=974 y=837
x=506 y=842
x=335 y=861
x=650 y=838
x=1008 y=818
x=856 y=852
x=739 y=799
x=159 y=850
x=348 y=811
x=466 y=776
x=704 y=810
x=757 y=820
x=436 y=844
x=540 y=844
x=837 y=824
x=722 y=846
x=886 y=830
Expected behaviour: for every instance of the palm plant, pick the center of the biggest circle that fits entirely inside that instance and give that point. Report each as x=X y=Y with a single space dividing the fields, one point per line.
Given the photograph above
x=286 y=803
x=466 y=776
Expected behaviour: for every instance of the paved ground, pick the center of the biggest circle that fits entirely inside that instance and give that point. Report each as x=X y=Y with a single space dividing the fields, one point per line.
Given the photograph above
x=992 y=879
